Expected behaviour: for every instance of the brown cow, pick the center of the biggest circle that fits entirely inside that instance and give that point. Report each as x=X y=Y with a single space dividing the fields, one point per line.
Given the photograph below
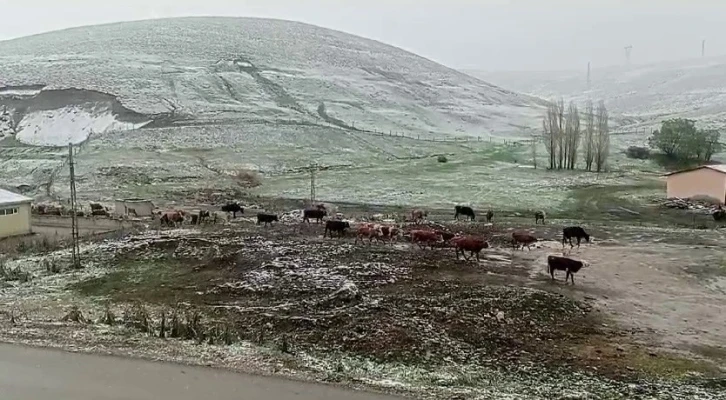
x=472 y=244
x=367 y=231
x=423 y=237
x=418 y=215
x=172 y=218
x=389 y=233
x=523 y=239
x=570 y=266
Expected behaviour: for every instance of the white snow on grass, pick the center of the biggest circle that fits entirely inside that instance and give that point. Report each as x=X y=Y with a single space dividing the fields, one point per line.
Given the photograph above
x=68 y=125
x=266 y=70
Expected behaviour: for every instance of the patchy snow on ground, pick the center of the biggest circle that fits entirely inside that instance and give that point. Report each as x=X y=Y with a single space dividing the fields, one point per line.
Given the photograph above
x=266 y=70
x=68 y=125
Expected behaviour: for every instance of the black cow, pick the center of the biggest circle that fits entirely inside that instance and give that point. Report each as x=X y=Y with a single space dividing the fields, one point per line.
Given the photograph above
x=315 y=213
x=490 y=215
x=336 y=226
x=574 y=232
x=233 y=208
x=203 y=216
x=266 y=218
x=719 y=215
x=464 y=210
x=539 y=215
x=564 y=264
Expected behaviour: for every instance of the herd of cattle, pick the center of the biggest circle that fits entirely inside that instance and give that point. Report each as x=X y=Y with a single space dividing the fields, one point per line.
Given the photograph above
x=417 y=233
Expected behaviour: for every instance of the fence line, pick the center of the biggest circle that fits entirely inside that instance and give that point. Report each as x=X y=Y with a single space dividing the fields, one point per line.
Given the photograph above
x=447 y=139
x=469 y=139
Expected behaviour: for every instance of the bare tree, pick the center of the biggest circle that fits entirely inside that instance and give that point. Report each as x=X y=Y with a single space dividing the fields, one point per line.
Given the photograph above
x=534 y=150
x=602 y=138
x=589 y=144
x=553 y=133
x=572 y=135
x=561 y=142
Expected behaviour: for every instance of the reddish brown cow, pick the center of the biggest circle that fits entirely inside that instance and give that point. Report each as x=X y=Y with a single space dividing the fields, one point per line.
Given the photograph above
x=367 y=231
x=423 y=237
x=172 y=218
x=472 y=244
x=389 y=233
x=418 y=215
x=445 y=235
x=523 y=239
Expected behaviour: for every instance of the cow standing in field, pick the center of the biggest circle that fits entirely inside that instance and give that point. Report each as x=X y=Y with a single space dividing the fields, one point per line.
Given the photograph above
x=314 y=213
x=523 y=239
x=574 y=232
x=564 y=264
x=418 y=215
x=424 y=237
x=490 y=215
x=445 y=235
x=474 y=245
x=389 y=233
x=172 y=218
x=336 y=226
x=539 y=215
x=267 y=219
x=368 y=231
x=233 y=208
x=203 y=216
x=464 y=210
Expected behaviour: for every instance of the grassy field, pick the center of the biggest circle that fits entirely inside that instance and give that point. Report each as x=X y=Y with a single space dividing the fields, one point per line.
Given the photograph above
x=175 y=165
x=354 y=168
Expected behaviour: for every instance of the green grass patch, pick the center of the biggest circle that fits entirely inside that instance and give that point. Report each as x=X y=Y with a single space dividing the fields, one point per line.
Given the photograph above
x=156 y=282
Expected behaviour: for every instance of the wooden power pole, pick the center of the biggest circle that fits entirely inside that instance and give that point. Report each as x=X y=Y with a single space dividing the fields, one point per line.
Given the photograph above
x=74 y=212
x=313 y=167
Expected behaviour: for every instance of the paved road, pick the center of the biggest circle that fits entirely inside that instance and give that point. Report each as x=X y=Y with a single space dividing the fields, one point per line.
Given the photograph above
x=39 y=374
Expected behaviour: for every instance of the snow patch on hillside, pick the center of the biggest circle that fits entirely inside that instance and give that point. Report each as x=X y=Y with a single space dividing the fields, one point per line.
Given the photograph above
x=68 y=125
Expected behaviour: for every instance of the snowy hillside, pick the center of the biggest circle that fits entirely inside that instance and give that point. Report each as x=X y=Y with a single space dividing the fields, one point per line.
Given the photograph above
x=643 y=95
x=212 y=70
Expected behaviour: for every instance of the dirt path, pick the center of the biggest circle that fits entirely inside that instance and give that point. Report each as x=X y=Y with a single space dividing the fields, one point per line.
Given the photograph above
x=30 y=373
x=673 y=294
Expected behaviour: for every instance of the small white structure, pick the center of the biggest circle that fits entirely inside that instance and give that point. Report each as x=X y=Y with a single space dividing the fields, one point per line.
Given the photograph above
x=14 y=214
x=134 y=207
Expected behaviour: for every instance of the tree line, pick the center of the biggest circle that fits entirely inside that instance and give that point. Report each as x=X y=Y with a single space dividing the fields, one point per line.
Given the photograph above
x=563 y=135
x=680 y=140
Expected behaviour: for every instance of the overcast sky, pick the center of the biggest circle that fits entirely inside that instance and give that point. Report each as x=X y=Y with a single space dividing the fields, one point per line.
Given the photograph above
x=479 y=34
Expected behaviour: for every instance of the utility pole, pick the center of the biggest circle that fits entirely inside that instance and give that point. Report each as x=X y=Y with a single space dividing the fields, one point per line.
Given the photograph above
x=703 y=48
x=313 y=167
x=74 y=213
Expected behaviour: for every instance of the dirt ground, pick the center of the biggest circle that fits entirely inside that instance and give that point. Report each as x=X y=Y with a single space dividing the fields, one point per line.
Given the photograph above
x=650 y=306
x=668 y=286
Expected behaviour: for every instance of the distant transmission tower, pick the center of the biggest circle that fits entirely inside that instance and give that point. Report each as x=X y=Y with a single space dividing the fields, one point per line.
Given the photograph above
x=588 y=74
x=628 y=49
x=74 y=213
x=703 y=48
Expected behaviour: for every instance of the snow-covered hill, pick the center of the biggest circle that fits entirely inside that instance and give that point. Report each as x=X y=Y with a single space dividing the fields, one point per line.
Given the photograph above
x=212 y=69
x=643 y=95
